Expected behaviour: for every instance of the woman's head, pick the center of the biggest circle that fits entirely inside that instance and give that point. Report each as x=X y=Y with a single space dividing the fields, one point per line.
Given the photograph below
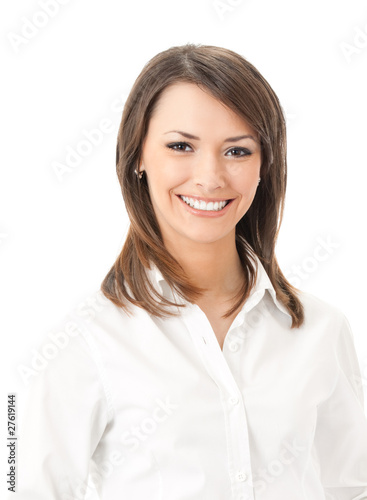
x=199 y=151
x=224 y=78
x=232 y=80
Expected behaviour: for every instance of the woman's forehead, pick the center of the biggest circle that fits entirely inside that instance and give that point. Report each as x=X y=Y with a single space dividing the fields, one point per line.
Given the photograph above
x=187 y=103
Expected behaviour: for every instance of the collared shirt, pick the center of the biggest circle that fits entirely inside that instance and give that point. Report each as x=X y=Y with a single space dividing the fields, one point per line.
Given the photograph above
x=145 y=408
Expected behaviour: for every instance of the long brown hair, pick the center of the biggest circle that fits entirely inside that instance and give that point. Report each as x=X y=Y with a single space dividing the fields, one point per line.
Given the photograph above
x=231 y=79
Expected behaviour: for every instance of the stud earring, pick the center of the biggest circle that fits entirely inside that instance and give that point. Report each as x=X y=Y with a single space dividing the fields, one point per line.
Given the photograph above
x=259 y=181
x=139 y=174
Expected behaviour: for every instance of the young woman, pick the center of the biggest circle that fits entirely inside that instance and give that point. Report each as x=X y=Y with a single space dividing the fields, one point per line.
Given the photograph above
x=203 y=374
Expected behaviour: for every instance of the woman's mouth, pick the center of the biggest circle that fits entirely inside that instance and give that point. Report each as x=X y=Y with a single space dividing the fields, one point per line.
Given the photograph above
x=205 y=206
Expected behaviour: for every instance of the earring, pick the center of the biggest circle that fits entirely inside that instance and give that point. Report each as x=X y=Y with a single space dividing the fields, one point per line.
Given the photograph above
x=259 y=181
x=140 y=174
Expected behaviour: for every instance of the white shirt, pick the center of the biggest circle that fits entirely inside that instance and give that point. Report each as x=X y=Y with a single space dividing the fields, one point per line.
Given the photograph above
x=153 y=408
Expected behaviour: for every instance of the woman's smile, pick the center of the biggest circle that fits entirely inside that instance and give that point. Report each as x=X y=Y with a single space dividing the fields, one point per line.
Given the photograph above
x=203 y=209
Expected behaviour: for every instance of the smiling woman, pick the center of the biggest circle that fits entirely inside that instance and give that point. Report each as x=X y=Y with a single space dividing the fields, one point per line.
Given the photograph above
x=236 y=128
x=204 y=375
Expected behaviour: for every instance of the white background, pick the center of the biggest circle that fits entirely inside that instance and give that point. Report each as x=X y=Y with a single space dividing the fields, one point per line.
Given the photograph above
x=58 y=239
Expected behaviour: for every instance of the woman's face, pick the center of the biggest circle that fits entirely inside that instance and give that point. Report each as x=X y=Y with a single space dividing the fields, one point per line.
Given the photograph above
x=199 y=149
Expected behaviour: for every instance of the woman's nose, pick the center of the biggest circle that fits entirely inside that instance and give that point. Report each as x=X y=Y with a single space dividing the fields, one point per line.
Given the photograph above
x=209 y=172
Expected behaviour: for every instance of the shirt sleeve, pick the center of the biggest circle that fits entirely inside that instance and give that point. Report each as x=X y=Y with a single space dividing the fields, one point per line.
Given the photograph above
x=340 y=442
x=65 y=415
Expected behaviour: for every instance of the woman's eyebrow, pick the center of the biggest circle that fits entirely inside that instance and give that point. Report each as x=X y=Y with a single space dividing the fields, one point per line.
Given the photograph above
x=229 y=139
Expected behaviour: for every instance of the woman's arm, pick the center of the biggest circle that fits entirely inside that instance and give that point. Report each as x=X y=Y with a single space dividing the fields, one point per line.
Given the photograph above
x=340 y=444
x=65 y=415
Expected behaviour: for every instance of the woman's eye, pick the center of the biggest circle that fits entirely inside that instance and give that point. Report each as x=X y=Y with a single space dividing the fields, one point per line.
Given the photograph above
x=239 y=152
x=178 y=146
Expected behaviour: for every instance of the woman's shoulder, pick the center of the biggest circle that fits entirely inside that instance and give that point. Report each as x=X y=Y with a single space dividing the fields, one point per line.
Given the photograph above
x=317 y=309
x=96 y=308
x=99 y=318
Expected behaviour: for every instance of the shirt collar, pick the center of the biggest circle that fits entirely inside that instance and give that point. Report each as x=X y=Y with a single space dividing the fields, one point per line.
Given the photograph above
x=262 y=284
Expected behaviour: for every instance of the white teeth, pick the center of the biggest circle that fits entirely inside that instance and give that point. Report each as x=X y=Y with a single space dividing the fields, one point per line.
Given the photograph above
x=202 y=205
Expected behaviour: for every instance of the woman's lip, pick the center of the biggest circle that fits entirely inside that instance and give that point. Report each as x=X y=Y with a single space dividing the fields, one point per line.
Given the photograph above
x=206 y=213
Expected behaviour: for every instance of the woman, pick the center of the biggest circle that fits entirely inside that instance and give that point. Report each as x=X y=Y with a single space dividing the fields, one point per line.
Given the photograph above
x=204 y=375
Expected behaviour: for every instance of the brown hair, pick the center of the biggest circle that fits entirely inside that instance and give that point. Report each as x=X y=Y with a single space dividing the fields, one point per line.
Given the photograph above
x=234 y=81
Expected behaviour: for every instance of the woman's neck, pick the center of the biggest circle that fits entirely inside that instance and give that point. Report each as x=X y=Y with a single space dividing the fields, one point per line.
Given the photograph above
x=216 y=267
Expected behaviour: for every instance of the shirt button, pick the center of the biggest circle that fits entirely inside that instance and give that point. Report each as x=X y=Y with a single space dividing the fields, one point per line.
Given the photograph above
x=233 y=346
x=241 y=476
x=234 y=400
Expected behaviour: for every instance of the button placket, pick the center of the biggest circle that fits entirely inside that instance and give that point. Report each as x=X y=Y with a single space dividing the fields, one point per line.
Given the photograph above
x=235 y=414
